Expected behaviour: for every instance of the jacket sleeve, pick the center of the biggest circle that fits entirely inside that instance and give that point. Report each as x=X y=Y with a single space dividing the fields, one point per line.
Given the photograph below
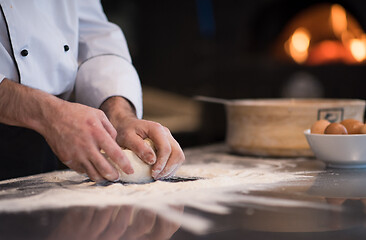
x=105 y=67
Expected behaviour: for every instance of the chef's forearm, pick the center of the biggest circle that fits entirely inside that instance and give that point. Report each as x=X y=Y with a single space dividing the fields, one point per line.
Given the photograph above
x=24 y=106
x=117 y=108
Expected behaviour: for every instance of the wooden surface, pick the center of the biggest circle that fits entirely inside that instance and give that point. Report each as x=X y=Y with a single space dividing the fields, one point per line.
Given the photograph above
x=276 y=127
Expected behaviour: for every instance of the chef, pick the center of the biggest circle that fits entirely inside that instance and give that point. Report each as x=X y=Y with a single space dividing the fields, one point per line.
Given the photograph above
x=51 y=50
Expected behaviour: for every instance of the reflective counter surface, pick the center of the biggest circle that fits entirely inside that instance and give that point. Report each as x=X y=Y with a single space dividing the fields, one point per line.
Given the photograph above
x=253 y=198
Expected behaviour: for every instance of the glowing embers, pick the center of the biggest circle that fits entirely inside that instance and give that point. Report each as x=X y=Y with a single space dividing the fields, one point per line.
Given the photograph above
x=358 y=49
x=338 y=19
x=297 y=45
x=322 y=34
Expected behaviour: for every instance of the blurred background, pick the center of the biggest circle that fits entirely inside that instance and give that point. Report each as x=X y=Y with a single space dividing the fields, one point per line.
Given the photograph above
x=239 y=49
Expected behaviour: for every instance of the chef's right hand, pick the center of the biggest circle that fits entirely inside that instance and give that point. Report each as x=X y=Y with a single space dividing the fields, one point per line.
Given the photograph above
x=76 y=133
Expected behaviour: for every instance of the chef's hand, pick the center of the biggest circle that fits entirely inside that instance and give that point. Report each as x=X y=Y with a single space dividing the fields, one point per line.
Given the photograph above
x=75 y=132
x=130 y=134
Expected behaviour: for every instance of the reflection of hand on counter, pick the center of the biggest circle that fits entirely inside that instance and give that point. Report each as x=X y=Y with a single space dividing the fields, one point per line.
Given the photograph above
x=113 y=223
x=145 y=224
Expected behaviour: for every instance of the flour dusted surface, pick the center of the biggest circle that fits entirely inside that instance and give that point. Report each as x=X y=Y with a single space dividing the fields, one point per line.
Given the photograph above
x=219 y=184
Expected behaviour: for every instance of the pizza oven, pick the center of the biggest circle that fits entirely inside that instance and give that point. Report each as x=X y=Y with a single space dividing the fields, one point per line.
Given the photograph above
x=246 y=49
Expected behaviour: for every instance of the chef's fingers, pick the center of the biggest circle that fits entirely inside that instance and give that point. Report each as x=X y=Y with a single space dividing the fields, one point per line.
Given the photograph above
x=175 y=161
x=75 y=165
x=109 y=127
x=160 y=136
x=115 y=153
x=94 y=165
x=169 y=171
x=91 y=171
x=83 y=165
x=141 y=148
x=176 y=158
x=104 y=168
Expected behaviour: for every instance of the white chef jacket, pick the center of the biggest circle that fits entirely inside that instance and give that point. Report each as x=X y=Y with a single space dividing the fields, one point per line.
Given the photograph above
x=63 y=45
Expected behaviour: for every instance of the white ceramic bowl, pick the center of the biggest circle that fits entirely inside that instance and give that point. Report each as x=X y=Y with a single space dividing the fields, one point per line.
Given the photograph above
x=341 y=151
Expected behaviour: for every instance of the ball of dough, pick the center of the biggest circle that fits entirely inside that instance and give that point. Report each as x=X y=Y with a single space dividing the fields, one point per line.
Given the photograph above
x=142 y=170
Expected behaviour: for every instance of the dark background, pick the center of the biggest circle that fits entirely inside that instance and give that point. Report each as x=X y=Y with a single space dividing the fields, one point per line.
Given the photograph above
x=222 y=49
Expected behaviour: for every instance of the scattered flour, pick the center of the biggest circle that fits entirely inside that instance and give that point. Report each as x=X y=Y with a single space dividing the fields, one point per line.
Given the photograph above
x=220 y=185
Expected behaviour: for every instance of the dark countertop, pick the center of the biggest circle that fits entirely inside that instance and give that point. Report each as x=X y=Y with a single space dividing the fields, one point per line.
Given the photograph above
x=328 y=204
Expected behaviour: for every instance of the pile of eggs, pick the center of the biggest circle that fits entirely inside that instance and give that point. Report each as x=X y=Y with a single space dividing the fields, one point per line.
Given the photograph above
x=347 y=126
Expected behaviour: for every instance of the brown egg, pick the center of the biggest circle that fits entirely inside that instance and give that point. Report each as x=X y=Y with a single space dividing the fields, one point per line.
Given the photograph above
x=353 y=126
x=335 y=128
x=319 y=126
x=363 y=129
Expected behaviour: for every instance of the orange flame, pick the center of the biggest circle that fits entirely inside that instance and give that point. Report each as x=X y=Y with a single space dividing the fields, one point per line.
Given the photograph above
x=338 y=19
x=358 y=49
x=298 y=44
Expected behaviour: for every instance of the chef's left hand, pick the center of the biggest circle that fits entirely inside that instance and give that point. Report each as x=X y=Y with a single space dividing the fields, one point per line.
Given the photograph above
x=130 y=134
